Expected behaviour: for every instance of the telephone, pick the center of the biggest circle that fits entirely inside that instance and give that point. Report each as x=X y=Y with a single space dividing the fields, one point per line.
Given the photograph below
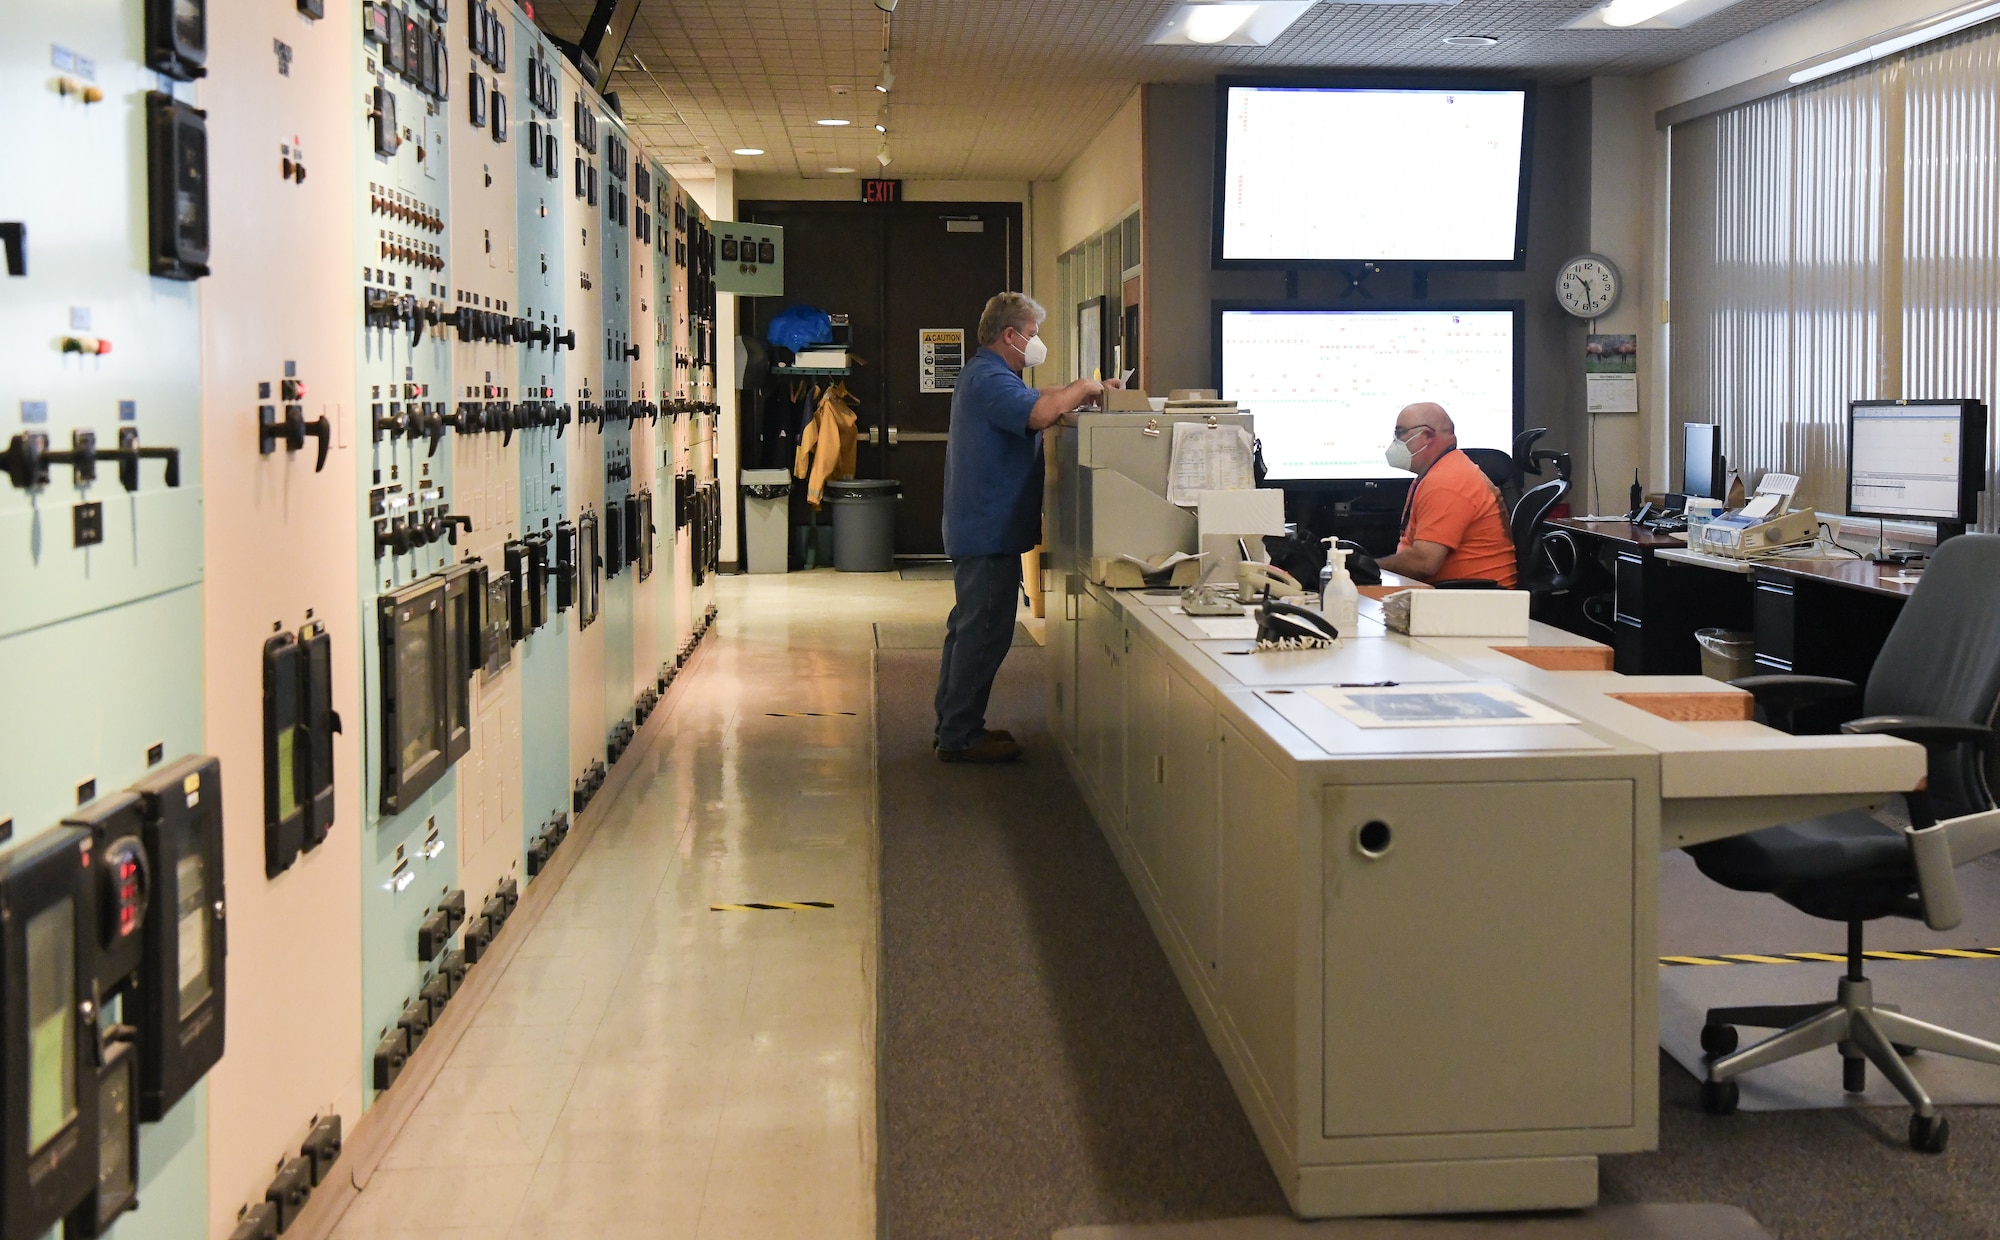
x=1253 y=579
x=1287 y=626
x=1209 y=601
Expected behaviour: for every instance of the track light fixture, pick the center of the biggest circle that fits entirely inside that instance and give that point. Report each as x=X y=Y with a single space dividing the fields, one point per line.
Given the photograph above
x=887 y=79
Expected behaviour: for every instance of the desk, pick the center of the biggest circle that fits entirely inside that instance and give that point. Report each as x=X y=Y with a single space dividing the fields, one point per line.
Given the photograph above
x=1815 y=617
x=1461 y=1020
x=1659 y=603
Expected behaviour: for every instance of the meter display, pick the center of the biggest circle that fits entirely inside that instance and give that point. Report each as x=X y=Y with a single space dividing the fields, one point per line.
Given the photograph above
x=181 y=982
x=414 y=659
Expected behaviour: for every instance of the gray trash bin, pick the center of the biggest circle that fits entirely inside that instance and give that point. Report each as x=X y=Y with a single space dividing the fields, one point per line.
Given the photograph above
x=767 y=518
x=864 y=524
x=1727 y=654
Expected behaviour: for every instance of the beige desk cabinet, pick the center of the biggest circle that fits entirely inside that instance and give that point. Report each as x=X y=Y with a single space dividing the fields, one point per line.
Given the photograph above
x=1425 y=957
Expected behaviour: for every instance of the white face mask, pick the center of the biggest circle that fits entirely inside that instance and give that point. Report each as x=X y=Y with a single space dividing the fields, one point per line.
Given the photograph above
x=1398 y=455
x=1035 y=352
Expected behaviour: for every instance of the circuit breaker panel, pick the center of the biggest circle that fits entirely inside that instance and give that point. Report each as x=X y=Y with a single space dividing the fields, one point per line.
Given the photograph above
x=361 y=391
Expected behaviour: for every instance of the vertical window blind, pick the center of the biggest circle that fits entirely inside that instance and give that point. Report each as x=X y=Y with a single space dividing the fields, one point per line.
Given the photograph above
x=1837 y=242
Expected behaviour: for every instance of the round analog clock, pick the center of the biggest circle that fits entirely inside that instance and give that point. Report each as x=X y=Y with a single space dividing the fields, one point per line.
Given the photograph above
x=1588 y=286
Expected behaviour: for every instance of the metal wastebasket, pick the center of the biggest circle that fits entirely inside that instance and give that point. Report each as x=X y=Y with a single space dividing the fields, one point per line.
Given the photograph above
x=766 y=518
x=1727 y=654
x=864 y=524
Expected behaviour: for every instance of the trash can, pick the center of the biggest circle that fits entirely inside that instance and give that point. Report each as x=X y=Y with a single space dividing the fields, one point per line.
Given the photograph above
x=766 y=518
x=1726 y=654
x=864 y=524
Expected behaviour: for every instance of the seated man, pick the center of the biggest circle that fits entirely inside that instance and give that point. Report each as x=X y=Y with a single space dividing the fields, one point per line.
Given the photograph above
x=1453 y=525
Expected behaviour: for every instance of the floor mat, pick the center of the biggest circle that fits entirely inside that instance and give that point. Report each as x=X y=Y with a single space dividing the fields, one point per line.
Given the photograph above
x=1650 y=1222
x=1958 y=994
x=924 y=570
x=1038 y=1066
x=912 y=635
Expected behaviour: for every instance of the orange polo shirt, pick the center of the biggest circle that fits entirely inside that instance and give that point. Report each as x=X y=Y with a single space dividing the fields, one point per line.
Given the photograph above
x=1457 y=507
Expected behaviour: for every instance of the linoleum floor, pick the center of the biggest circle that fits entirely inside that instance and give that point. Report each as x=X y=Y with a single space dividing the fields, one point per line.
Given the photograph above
x=646 y=1066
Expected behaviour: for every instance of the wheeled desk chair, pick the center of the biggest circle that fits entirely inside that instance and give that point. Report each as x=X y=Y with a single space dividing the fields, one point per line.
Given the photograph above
x=1936 y=682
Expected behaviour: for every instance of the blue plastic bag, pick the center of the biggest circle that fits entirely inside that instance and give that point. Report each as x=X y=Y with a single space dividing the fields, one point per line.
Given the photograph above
x=799 y=327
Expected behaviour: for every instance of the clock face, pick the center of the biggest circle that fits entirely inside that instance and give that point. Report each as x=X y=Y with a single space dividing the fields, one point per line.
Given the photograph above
x=1588 y=286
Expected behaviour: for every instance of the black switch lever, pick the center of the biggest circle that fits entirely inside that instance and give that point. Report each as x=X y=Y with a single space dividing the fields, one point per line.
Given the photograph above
x=631 y=352
x=26 y=460
x=451 y=522
x=391 y=424
x=562 y=420
x=14 y=235
x=434 y=424
x=567 y=340
x=501 y=413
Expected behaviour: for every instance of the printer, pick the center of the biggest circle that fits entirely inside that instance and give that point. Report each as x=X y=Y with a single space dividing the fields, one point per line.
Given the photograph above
x=1764 y=524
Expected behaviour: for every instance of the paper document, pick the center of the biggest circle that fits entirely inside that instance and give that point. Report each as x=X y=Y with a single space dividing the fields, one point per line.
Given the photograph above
x=1208 y=458
x=1466 y=705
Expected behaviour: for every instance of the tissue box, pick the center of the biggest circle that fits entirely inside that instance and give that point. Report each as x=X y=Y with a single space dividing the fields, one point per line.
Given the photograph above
x=1457 y=613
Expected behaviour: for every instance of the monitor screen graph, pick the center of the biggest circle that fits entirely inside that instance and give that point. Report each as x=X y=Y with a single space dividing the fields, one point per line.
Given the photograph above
x=1333 y=174
x=1324 y=386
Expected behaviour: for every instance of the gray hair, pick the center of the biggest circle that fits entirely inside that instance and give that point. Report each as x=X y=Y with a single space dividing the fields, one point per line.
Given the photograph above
x=1016 y=310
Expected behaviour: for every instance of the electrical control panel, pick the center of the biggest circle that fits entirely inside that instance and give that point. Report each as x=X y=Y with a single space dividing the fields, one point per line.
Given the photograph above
x=359 y=348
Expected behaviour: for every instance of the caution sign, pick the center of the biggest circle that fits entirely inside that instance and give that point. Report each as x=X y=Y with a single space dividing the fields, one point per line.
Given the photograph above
x=940 y=354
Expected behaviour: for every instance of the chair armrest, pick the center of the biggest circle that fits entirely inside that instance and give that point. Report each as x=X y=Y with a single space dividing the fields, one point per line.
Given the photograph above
x=1783 y=696
x=1929 y=731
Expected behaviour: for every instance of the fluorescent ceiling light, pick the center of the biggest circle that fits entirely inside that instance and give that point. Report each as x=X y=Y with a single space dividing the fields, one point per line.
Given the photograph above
x=1623 y=13
x=1212 y=23
x=1228 y=23
x=748 y=150
x=1647 y=14
x=1898 y=43
x=832 y=122
x=839 y=171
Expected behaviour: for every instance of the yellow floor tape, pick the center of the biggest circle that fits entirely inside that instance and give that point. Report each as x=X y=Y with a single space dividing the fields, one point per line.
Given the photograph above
x=1926 y=953
x=792 y=905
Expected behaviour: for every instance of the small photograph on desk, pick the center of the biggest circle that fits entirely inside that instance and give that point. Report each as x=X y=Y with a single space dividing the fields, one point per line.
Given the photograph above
x=1437 y=706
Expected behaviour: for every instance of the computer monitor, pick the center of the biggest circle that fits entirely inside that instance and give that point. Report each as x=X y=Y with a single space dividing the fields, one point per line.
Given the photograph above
x=1917 y=460
x=1702 y=473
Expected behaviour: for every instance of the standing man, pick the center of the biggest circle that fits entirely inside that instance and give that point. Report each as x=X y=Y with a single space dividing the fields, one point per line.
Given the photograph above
x=992 y=514
x=1453 y=528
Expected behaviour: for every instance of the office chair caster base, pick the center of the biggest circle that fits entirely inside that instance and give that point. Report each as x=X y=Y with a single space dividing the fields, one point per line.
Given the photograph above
x=1903 y=1048
x=1721 y=1098
x=1718 y=1040
x=1929 y=1133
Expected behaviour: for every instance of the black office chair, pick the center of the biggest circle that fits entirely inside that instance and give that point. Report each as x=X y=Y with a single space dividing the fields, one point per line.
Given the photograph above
x=1546 y=559
x=1936 y=682
x=1501 y=471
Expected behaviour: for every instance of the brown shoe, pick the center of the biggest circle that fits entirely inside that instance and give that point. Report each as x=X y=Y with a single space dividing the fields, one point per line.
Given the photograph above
x=997 y=734
x=987 y=750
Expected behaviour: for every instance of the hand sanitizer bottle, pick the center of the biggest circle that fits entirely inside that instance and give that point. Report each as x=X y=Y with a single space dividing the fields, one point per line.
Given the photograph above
x=1339 y=601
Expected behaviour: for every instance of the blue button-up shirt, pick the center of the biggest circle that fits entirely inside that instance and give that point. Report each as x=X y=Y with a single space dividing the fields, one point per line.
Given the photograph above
x=992 y=463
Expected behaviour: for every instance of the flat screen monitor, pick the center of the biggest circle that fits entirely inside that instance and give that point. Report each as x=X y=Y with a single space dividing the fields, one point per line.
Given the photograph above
x=1918 y=460
x=1372 y=170
x=1702 y=472
x=1324 y=385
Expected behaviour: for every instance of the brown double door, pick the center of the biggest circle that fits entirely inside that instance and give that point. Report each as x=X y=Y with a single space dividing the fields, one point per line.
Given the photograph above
x=896 y=270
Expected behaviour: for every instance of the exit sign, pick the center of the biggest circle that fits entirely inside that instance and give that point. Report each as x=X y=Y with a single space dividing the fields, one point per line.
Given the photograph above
x=873 y=190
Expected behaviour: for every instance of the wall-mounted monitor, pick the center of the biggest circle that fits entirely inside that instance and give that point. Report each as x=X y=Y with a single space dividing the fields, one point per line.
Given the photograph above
x=1917 y=460
x=1358 y=169
x=1325 y=384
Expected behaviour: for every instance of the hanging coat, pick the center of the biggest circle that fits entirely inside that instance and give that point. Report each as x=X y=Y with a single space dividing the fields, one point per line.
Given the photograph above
x=827 y=448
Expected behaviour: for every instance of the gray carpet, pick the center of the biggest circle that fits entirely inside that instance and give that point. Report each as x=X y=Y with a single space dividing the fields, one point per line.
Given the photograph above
x=1038 y=1066
x=911 y=635
x=1656 y=1222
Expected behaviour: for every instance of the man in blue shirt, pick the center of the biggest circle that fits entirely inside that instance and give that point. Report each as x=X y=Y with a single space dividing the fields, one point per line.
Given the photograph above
x=993 y=514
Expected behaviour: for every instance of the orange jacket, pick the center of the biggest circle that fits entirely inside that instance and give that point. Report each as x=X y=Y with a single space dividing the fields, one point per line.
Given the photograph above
x=827 y=448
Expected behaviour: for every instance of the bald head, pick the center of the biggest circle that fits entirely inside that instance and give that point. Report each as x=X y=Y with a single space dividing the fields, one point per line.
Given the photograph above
x=1425 y=413
x=1427 y=430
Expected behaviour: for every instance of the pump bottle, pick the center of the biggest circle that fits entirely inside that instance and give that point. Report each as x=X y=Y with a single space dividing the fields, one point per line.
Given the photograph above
x=1339 y=601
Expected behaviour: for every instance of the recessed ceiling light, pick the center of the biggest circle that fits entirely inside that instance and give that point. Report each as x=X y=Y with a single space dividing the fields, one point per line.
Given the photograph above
x=880 y=128
x=832 y=122
x=1209 y=23
x=839 y=170
x=748 y=150
x=1469 y=40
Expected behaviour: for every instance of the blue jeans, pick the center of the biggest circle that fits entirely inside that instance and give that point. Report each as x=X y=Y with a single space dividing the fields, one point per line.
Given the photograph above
x=976 y=641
